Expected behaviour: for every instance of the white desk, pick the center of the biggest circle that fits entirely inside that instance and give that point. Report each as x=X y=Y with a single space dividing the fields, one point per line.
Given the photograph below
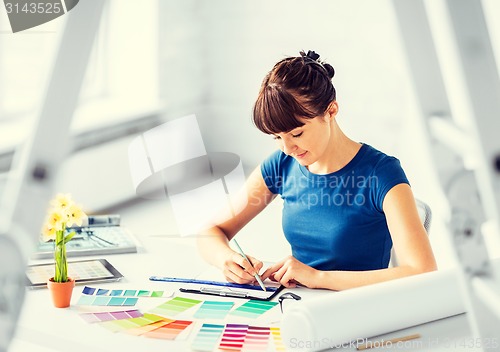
x=40 y=320
x=43 y=328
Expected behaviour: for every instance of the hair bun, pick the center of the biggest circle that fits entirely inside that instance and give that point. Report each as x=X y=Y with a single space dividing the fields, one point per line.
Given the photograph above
x=329 y=69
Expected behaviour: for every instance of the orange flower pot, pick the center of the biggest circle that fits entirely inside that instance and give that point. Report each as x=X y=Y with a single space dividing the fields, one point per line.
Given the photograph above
x=61 y=292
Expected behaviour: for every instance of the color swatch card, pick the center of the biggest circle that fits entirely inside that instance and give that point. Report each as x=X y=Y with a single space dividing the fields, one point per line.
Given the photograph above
x=253 y=309
x=175 y=306
x=169 y=331
x=149 y=325
x=143 y=329
x=233 y=337
x=277 y=340
x=106 y=301
x=132 y=323
x=213 y=310
x=125 y=293
x=256 y=339
x=106 y=316
x=208 y=337
x=236 y=337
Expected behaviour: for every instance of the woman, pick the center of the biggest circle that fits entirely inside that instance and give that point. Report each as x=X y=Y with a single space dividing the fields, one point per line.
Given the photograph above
x=345 y=203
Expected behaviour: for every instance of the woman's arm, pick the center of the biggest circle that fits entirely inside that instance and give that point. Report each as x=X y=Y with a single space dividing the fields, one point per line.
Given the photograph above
x=213 y=242
x=409 y=238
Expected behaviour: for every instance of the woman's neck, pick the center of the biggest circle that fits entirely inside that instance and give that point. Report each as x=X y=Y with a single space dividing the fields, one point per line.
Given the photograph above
x=340 y=151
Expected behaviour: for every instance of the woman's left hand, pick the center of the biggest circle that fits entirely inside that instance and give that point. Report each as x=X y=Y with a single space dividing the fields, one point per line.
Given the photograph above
x=289 y=272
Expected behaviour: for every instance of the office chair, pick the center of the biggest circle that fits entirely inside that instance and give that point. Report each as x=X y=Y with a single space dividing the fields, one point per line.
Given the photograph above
x=425 y=213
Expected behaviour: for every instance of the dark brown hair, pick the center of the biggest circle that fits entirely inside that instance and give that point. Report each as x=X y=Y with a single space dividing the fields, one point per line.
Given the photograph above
x=296 y=87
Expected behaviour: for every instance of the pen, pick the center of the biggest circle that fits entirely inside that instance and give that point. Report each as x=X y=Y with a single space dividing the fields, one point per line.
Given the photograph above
x=257 y=277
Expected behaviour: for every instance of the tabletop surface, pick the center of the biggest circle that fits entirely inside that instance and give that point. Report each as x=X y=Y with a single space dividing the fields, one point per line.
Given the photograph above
x=43 y=328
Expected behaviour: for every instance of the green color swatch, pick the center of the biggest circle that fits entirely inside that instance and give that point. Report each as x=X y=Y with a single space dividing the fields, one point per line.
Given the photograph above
x=174 y=306
x=213 y=310
x=253 y=308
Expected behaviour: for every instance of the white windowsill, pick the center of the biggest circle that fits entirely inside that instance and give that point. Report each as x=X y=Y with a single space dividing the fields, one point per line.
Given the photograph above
x=91 y=117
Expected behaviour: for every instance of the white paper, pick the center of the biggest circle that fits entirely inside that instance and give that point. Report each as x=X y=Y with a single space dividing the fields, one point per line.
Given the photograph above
x=358 y=313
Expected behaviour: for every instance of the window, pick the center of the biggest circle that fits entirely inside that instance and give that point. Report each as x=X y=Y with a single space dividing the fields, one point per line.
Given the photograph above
x=121 y=74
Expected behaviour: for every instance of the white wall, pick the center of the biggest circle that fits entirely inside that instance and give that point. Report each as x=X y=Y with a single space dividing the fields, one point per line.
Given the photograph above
x=358 y=38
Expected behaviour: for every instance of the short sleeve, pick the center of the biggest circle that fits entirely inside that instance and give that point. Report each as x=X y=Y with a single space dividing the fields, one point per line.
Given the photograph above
x=271 y=172
x=387 y=174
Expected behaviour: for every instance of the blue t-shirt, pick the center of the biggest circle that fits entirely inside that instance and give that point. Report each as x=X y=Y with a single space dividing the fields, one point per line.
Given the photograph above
x=336 y=221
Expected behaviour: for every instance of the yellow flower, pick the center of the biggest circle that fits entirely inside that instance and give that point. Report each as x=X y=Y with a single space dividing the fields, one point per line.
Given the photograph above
x=64 y=213
x=48 y=233
x=75 y=215
x=57 y=219
x=62 y=201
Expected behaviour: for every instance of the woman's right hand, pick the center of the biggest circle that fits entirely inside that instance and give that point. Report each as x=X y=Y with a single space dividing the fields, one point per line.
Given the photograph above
x=238 y=270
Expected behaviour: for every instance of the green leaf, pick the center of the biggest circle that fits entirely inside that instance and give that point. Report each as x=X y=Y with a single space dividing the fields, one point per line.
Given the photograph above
x=69 y=237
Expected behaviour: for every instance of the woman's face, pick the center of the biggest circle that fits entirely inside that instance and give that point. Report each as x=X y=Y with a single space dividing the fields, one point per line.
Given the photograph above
x=308 y=143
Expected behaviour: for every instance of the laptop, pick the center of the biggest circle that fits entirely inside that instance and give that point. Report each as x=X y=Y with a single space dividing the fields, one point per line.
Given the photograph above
x=101 y=235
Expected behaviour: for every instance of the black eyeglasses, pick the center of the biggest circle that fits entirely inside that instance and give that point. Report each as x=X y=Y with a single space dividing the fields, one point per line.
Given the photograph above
x=288 y=295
